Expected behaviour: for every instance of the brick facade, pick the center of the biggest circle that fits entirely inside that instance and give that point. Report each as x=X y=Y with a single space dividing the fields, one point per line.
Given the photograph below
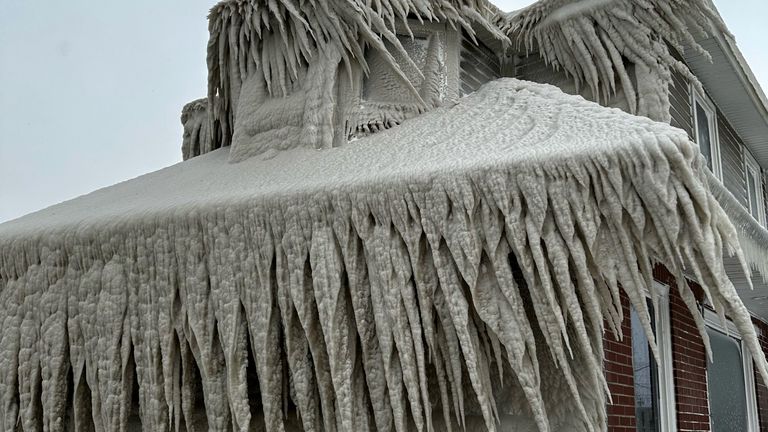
x=689 y=363
x=688 y=359
x=620 y=376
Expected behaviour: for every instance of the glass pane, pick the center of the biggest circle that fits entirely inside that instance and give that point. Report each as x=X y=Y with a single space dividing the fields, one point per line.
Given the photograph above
x=703 y=133
x=646 y=387
x=725 y=376
x=752 y=192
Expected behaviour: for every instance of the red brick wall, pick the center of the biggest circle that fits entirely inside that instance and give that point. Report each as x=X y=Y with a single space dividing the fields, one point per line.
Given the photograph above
x=620 y=376
x=689 y=363
x=689 y=360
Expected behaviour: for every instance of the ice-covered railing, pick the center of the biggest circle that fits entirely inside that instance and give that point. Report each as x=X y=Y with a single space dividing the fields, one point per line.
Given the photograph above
x=752 y=236
x=457 y=270
x=592 y=41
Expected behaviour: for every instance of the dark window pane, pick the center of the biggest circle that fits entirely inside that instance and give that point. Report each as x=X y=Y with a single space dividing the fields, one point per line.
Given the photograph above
x=725 y=376
x=752 y=192
x=646 y=387
x=704 y=134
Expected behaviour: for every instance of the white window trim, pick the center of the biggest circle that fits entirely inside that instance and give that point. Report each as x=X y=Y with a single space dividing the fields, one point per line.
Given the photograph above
x=665 y=370
x=750 y=164
x=709 y=107
x=713 y=321
x=452 y=44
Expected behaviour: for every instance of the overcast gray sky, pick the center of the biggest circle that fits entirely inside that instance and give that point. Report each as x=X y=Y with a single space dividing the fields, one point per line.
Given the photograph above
x=91 y=91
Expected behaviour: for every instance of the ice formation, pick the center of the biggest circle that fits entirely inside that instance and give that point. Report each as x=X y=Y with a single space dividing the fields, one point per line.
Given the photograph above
x=457 y=270
x=198 y=130
x=753 y=237
x=298 y=63
x=594 y=40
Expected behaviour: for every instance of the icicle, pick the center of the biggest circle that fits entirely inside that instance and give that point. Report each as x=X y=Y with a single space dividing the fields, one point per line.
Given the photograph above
x=565 y=35
x=53 y=346
x=9 y=354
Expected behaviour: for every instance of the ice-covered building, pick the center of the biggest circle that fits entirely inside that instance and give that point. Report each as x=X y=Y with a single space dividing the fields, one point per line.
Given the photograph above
x=402 y=215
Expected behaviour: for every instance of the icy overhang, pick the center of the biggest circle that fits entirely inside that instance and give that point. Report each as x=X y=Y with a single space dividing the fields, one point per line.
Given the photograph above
x=511 y=125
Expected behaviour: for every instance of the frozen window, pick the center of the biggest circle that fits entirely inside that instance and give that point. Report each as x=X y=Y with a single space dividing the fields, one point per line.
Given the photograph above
x=756 y=202
x=706 y=132
x=727 y=392
x=384 y=85
x=730 y=380
x=646 y=379
x=703 y=133
x=403 y=79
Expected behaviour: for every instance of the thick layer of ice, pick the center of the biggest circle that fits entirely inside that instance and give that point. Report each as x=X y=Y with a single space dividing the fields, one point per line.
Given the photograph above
x=457 y=269
x=591 y=40
x=302 y=49
x=198 y=130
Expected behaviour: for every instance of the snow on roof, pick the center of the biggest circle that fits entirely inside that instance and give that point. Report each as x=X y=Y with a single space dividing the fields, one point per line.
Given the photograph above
x=509 y=124
x=399 y=247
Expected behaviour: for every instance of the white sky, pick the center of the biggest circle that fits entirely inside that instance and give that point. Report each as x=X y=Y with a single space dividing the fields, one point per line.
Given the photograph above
x=92 y=91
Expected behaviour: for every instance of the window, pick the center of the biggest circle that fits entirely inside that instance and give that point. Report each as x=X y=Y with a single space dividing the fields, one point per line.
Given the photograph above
x=399 y=81
x=705 y=122
x=654 y=385
x=730 y=380
x=755 y=197
x=646 y=379
x=383 y=85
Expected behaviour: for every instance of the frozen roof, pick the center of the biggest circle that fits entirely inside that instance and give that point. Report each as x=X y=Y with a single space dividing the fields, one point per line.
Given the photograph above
x=401 y=244
x=508 y=125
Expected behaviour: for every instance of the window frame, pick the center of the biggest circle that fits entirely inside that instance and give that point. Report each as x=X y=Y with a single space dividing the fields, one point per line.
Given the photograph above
x=351 y=86
x=665 y=371
x=665 y=374
x=416 y=29
x=698 y=97
x=712 y=321
x=751 y=164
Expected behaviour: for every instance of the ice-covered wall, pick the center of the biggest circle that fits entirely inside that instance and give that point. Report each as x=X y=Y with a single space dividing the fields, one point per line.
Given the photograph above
x=446 y=270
